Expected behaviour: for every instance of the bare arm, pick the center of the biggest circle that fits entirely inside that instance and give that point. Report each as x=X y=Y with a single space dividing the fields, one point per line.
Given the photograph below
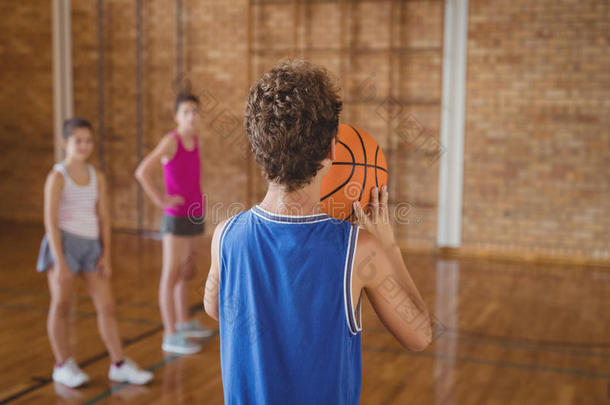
x=52 y=197
x=166 y=149
x=203 y=180
x=388 y=285
x=210 y=299
x=201 y=159
x=381 y=271
x=104 y=221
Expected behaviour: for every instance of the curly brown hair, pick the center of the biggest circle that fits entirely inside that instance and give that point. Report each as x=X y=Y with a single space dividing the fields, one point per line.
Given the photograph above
x=291 y=117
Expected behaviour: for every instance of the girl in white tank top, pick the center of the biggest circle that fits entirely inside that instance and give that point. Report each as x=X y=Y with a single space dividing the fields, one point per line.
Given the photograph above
x=77 y=209
x=77 y=243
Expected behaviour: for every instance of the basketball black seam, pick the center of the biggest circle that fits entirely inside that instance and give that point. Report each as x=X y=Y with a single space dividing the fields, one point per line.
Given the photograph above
x=350 y=175
x=376 y=152
x=365 y=169
x=360 y=164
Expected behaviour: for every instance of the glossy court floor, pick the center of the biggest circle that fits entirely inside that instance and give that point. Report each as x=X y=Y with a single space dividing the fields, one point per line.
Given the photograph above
x=508 y=333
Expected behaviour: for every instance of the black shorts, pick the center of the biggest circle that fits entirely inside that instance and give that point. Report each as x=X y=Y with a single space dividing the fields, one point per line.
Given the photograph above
x=182 y=226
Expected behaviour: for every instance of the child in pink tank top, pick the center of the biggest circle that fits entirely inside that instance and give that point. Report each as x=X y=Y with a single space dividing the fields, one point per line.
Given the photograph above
x=182 y=177
x=182 y=223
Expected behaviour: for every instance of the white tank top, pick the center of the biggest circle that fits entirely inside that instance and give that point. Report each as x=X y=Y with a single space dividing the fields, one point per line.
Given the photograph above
x=77 y=209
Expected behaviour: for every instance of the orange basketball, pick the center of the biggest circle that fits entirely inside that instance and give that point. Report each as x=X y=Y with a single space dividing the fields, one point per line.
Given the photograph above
x=359 y=166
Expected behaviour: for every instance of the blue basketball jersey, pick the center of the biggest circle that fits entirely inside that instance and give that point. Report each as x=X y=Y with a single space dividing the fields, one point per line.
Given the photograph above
x=288 y=331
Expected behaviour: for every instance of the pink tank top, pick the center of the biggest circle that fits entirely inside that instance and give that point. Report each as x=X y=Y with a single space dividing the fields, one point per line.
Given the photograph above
x=182 y=174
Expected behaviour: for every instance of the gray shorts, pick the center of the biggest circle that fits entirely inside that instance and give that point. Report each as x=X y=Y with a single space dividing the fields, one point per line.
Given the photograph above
x=81 y=253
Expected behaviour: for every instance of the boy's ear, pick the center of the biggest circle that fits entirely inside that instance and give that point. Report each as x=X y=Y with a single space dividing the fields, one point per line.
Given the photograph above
x=333 y=149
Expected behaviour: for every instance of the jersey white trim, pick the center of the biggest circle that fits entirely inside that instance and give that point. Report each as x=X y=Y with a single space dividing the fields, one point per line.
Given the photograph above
x=308 y=221
x=287 y=216
x=350 y=313
x=357 y=323
x=223 y=232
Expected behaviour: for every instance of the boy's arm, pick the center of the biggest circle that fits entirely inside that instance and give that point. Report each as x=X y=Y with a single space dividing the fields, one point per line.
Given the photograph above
x=382 y=274
x=52 y=197
x=166 y=149
x=104 y=220
x=210 y=298
x=380 y=270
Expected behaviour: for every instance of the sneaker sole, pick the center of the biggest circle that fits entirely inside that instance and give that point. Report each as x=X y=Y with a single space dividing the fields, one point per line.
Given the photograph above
x=125 y=381
x=198 y=335
x=72 y=385
x=179 y=349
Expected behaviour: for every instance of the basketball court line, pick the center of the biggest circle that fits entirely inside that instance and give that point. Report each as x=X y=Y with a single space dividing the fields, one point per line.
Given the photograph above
x=555 y=346
x=77 y=314
x=153 y=368
x=533 y=347
x=491 y=339
x=23 y=392
x=601 y=345
x=118 y=387
x=43 y=381
x=466 y=359
x=496 y=363
x=79 y=297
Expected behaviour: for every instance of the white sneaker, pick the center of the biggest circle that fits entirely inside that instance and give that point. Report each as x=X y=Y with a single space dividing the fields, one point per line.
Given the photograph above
x=130 y=373
x=70 y=374
x=193 y=329
x=177 y=343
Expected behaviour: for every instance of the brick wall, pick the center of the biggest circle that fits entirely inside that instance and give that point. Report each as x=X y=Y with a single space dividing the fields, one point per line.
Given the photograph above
x=387 y=57
x=537 y=148
x=370 y=47
x=26 y=107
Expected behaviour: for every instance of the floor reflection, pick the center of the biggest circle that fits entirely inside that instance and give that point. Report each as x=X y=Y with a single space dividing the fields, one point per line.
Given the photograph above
x=446 y=314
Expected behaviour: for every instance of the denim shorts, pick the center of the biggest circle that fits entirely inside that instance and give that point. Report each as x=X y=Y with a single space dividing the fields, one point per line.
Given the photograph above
x=81 y=253
x=182 y=226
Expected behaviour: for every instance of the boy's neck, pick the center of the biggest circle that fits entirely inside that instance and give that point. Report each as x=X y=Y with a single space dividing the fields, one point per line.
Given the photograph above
x=304 y=201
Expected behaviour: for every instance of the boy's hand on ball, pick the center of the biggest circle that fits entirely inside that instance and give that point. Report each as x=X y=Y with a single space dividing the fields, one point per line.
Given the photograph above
x=377 y=218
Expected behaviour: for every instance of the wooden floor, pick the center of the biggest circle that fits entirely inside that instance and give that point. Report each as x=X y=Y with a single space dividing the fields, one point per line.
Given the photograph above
x=508 y=333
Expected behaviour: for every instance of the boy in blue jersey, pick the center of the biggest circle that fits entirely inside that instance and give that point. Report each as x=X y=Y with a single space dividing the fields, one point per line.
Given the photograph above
x=285 y=279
